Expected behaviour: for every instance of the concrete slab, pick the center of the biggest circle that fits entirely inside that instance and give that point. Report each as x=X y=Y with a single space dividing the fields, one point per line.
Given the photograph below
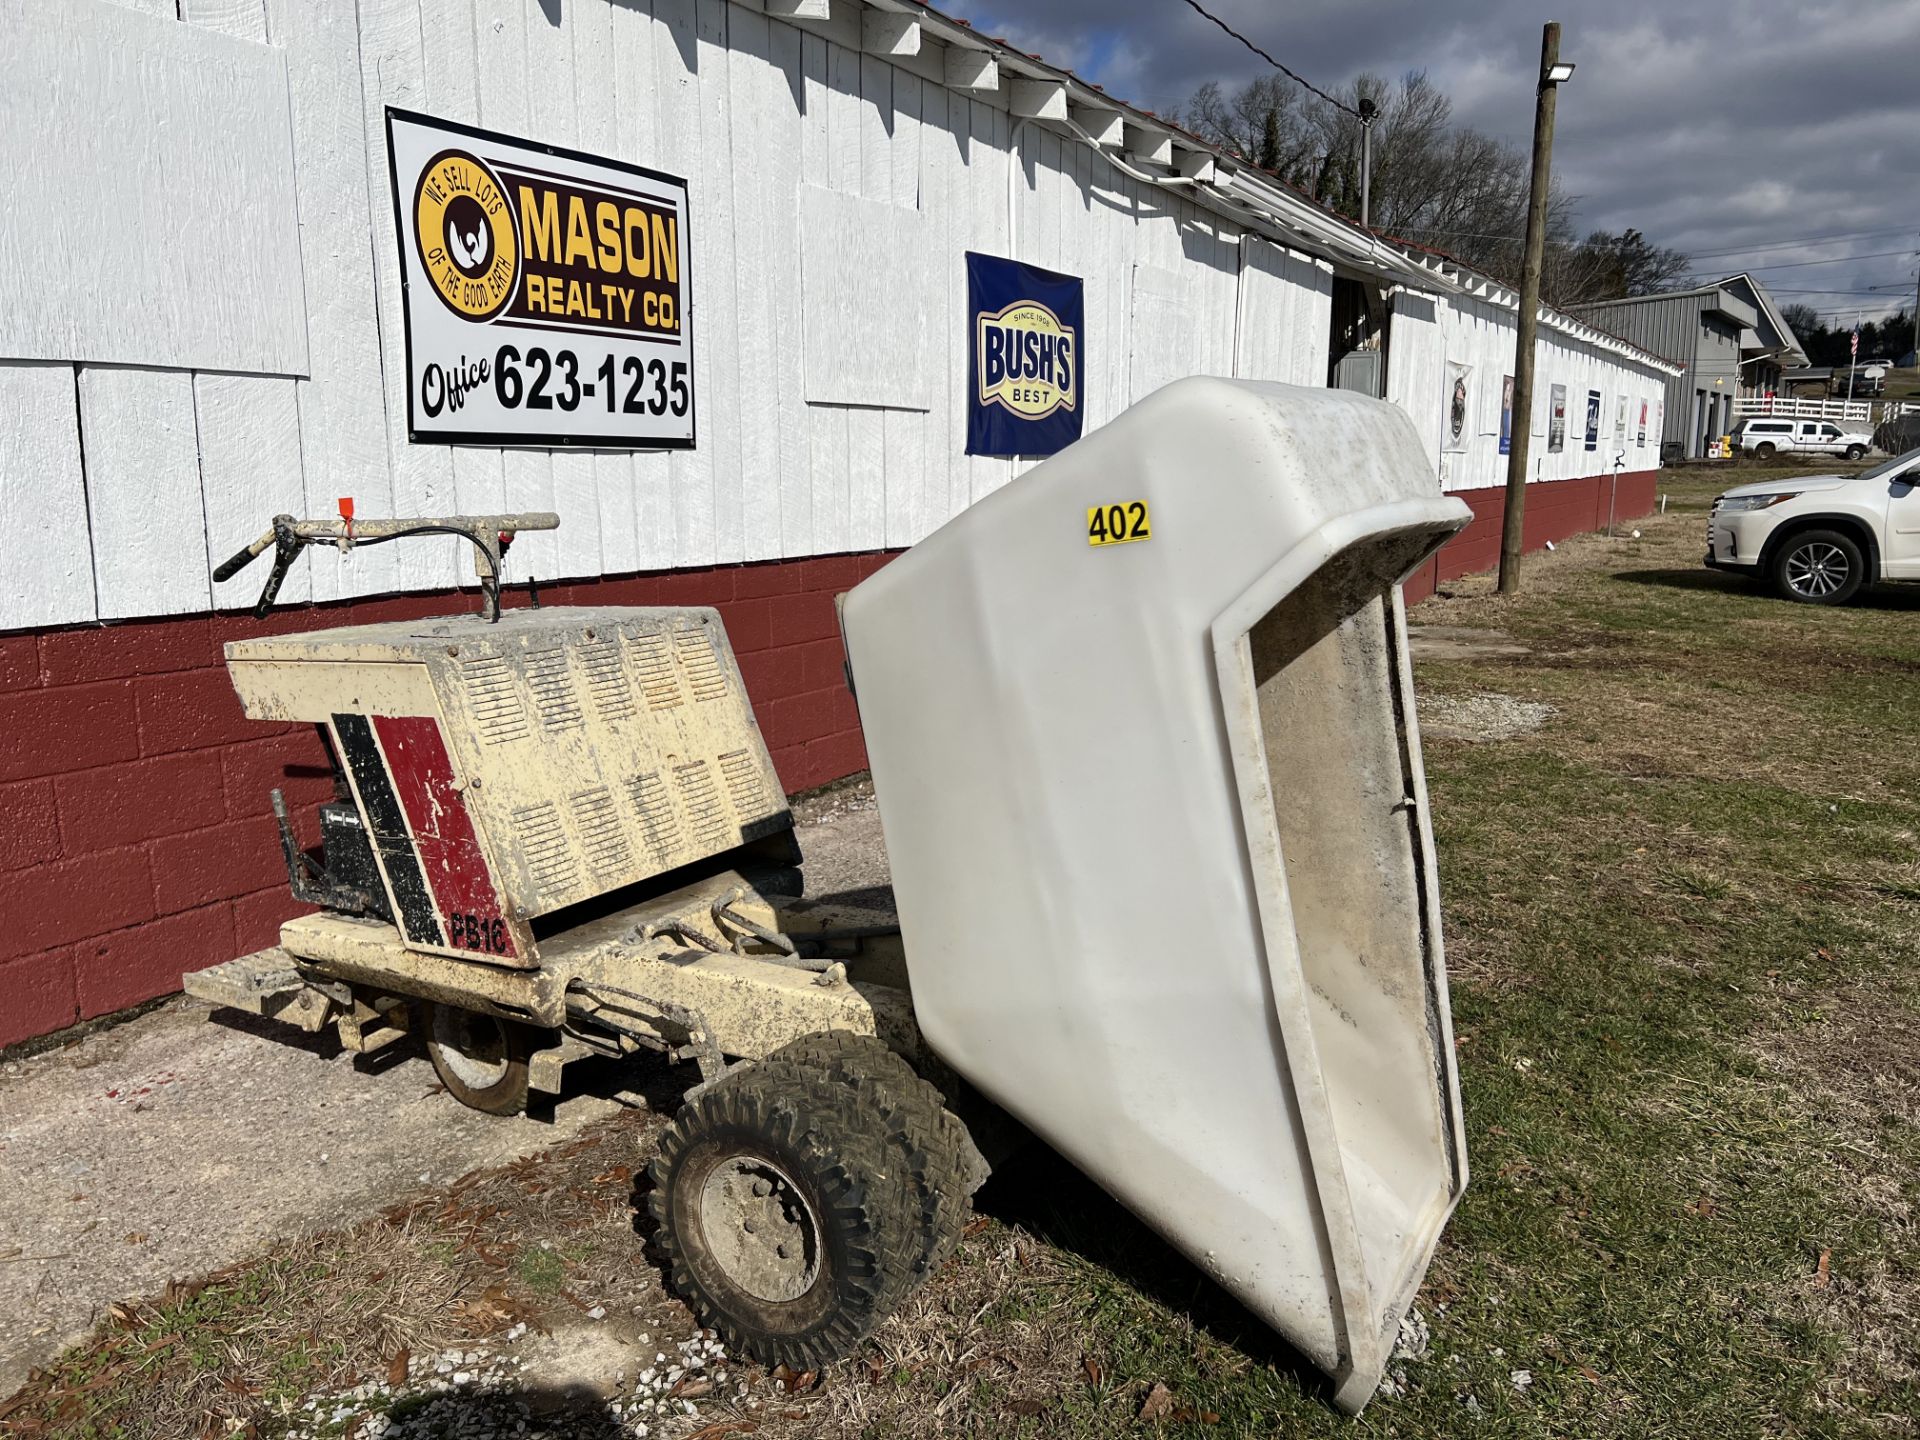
x=1461 y=642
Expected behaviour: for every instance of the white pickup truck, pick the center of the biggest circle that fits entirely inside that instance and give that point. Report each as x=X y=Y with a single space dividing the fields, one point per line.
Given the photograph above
x=1819 y=538
x=1764 y=436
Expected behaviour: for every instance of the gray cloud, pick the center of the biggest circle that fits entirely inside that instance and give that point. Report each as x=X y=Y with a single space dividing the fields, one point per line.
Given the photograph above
x=1706 y=127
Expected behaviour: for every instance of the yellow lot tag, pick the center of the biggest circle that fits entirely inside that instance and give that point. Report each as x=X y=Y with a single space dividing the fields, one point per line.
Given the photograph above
x=1118 y=524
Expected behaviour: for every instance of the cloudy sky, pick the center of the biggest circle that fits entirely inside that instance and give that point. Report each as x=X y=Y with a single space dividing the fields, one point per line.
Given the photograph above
x=1707 y=127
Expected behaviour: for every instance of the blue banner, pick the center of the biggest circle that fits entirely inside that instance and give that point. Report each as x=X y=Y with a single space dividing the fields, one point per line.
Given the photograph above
x=1025 y=355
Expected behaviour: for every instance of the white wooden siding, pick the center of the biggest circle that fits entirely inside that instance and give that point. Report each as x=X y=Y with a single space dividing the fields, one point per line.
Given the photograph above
x=48 y=570
x=343 y=435
x=143 y=491
x=149 y=215
x=1429 y=331
x=865 y=305
x=182 y=464
x=1286 y=314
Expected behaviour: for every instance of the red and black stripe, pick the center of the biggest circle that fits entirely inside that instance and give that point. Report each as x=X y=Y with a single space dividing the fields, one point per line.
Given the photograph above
x=388 y=824
x=444 y=837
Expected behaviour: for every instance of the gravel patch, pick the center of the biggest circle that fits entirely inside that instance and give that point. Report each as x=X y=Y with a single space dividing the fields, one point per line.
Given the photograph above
x=493 y=1393
x=1480 y=719
x=178 y=1143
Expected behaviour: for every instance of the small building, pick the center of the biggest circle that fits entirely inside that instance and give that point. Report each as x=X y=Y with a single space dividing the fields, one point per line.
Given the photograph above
x=1807 y=380
x=1771 y=348
x=1729 y=339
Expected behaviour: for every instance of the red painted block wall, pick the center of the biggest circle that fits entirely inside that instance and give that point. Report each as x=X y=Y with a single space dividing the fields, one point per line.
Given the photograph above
x=136 y=838
x=1556 y=510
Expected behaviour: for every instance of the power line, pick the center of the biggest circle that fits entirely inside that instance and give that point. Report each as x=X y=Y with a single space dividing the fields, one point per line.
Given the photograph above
x=1706 y=254
x=1895 y=292
x=1796 y=244
x=1837 y=260
x=1297 y=79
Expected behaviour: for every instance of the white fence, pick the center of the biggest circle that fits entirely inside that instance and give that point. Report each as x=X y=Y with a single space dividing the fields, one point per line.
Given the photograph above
x=1859 y=412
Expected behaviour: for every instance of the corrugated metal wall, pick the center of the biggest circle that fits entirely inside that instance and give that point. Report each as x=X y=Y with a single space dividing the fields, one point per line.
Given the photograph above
x=1678 y=328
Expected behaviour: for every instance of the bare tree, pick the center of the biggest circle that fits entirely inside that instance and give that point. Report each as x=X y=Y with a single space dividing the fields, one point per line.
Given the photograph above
x=1608 y=266
x=1261 y=122
x=1439 y=184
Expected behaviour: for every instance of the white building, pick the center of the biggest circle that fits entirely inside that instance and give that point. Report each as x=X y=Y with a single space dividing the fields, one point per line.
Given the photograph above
x=201 y=324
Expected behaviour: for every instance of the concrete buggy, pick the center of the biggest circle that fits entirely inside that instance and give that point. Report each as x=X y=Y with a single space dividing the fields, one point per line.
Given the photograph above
x=1142 y=733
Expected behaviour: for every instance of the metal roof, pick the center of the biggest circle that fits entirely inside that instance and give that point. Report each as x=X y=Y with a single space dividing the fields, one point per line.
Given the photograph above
x=1718 y=301
x=1791 y=353
x=1158 y=152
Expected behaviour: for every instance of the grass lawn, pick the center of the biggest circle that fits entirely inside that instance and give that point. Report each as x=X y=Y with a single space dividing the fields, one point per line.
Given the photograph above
x=1682 y=922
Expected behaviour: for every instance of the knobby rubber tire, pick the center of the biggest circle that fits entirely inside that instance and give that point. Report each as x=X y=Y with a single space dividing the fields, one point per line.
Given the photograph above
x=823 y=1136
x=949 y=1168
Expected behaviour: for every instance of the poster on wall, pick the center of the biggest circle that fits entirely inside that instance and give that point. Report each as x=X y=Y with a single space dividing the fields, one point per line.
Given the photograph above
x=1459 y=407
x=1557 y=421
x=1506 y=415
x=545 y=292
x=1620 y=422
x=1593 y=420
x=1025 y=356
x=1643 y=425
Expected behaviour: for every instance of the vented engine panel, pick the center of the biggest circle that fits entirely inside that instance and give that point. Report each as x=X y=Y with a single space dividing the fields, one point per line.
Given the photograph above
x=505 y=771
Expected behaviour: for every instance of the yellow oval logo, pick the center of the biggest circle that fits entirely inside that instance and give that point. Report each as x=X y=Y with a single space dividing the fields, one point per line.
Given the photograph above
x=1029 y=361
x=464 y=231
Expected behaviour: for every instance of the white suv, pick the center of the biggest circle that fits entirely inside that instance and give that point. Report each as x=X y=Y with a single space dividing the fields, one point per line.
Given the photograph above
x=1819 y=538
x=1764 y=436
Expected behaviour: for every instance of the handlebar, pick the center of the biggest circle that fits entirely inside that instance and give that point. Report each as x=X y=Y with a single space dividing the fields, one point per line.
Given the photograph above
x=242 y=558
x=490 y=535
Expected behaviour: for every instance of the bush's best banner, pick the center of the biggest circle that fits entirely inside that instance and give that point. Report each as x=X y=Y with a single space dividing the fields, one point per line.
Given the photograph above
x=545 y=292
x=1026 y=352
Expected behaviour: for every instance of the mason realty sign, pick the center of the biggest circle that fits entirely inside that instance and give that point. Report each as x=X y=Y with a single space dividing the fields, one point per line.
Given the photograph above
x=545 y=292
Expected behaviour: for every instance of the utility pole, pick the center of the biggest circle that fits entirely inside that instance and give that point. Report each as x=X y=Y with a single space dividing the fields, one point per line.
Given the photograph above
x=1552 y=72
x=1368 y=113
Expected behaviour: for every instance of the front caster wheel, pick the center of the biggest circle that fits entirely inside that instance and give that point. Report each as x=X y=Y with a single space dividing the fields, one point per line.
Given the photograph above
x=481 y=1059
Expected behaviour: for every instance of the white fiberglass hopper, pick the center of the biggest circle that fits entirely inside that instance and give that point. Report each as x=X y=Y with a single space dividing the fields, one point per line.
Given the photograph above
x=1159 y=835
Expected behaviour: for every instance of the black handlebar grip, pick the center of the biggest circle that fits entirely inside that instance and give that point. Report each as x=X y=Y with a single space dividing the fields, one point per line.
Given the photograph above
x=282 y=562
x=232 y=567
